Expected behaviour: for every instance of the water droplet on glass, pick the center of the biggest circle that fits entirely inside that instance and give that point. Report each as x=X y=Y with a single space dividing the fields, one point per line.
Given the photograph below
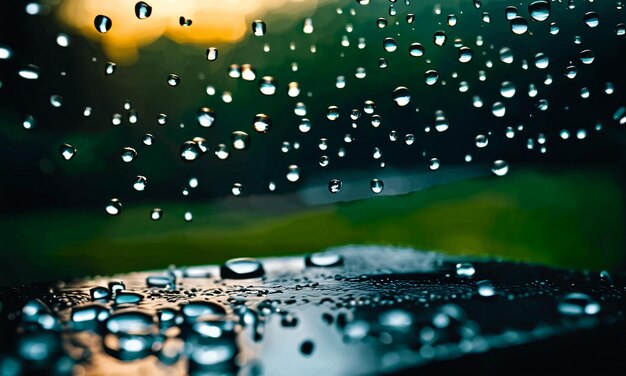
x=206 y=117
x=485 y=288
x=173 y=80
x=539 y=10
x=267 y=85
x=389 y=44
x=591 y=19
x=240 y=140
x=109 y=68
x=140 y=182
x=211 y=54
x=416 y=49
x=128 y=154
x=465 y=54
x=293 y=173
x=586 y=56
x=440 y=38
x=519 y=25
x=434 y=164
x=377 y=185
x=402 y=96
x=114 y=207
x=323 y=260
x=156 y=214
x=67 y=151
x=142 y=10
x=431 y=77
x=332 y=113
x=258 y=28
x=189 y=151
x=334 y=186
x=578 y=304
x=500 y=167
x=102 y=23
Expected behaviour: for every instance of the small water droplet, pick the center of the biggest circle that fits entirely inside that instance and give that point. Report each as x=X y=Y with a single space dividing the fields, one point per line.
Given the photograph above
x=114 y=207
x=142 y=10
x=334 y=186
x=102 y=23
x=67 y=151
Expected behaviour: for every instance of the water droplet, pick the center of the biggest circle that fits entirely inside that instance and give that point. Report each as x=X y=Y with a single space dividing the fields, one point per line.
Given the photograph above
x=389 y=44
x=242 y=268
x=620 y=29
x=332 y=113
x=465 y=54
x=131 y=323
x=452 y=20
x=67 y=151
x=31 y=72
x=591 y=19
x=142 y=10
x=102 y=23
x=140 y=182
x=63 y=40
x=541 y=61
x=323 y=260
x=189 y=151
x=248 y=73
x=307 y=347
x=539 y=10
x=510 y=12
x=156 y=214
x=305 y=125
x=431 y=77
x=128 y=154
x=519 y=25
x=184 y=21
x=578 y=304
x=481 y=141
x=334 y=186
x=402 y=96
x=211 y=53
x=109 y=68
x=434 y=164
x=586 y=56
x=173 y=80
x=237 y=189
x=465 y=270
x=485 y=288
x=416 y=49
x=500 y=167
x=206 y=117
x=507 y=89
x=162 y=119
x=377 y=185
x=99 y=292
x=259 y=28
x=293 y=173
x=221 y=152
x=381 y=23
x=261 y=123
x=440 y=38
x=267 y=85
x=114 y=207
x=498 y=109
x=240 y=140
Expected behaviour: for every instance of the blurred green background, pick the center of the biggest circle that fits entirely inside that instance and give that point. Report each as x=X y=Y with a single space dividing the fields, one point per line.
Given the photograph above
x=563 y=207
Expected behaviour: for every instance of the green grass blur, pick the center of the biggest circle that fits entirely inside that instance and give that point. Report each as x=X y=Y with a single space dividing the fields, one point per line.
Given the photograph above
x=569 y=218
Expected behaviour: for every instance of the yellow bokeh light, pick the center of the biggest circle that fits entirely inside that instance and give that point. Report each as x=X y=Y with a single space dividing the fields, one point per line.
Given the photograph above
x=213 y=21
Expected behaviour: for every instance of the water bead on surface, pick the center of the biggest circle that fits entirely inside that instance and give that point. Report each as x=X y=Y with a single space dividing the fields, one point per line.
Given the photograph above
x=293 y=173
x=500 y=167
x=142 y=10
x=259 y=28
x=205 y=117
x=242 y=268
x=539 y=10
x=377 y=185
x=240 y=140
x=102 y=23
x=67 y=151
x=261 y=123
x=211 y=53
x=334 y=186
x=402 y=96
x=114 y=207
x=173 y=80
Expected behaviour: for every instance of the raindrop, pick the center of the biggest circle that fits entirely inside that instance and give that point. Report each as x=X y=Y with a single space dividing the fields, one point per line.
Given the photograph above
x=67 y=151
x=259 y=28
x=465 y=270
x=128 y=154
x=539 y=10
x=206 y=117
x=114 y=207
x=293 y=173
x=586 y=56
x=541 y=61
x=189 y=151
x=139 y=184
x=389 y=44
x=211 y=54
x=156 y=214
x=519 y=25
x=240 y=140
x=377 y=185
x=102 y=23
x=305 y=125
x=481 y=141
x=416 y=49
x=500 y=167
x=433 y=164
x=507 y=89
x=267 y=85
x=142 y=10
x=332 y=113
x=334 y=186
x=498 y=109
x=237 y=189
x=465 y=54
x=510 y=12
x=31 y=72
x=591 y=19
x=261 y=123
x=402 y=96
x=308 y=26
x=109 y=68
x=173 y=80
x=440 y=38
x=431 y=77
x=485 y=288
x=578 y=304
x=242 y=268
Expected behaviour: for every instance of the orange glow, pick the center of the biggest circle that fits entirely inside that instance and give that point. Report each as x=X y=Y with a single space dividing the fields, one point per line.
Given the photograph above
x=212 y=21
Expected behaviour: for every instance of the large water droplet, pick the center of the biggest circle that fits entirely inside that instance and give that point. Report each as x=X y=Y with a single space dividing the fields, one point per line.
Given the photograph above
x=142 y=10
x=128 y=154
x=189 y=151
x=293 y=173
x=242 y=268
x=102 y=23
x=402 y=96
x=240 y=140
x=539 y=10
x=67 y=151
x=334 y=186
x=377 y=185
x=500 y=167
x=323 y=260
x=578 y=304
x=113 y=207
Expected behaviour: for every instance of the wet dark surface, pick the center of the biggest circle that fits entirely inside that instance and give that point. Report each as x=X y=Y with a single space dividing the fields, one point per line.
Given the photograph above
x=352 y=310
